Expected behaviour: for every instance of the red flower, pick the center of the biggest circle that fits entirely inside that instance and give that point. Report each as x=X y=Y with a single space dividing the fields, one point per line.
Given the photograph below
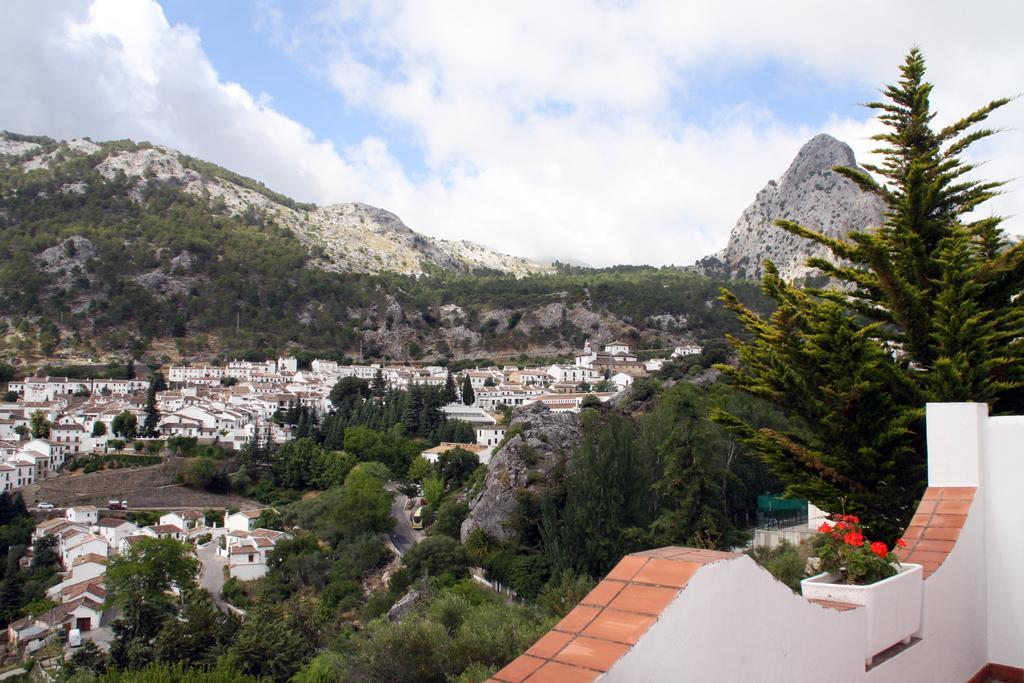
x=825 y=528
x=901 y=543
x=840 y=525
x=880 y=549
x=854 y=538
x=853 y=518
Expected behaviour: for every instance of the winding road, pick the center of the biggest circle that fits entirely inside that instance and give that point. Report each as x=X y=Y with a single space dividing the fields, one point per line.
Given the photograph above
x=403 y=535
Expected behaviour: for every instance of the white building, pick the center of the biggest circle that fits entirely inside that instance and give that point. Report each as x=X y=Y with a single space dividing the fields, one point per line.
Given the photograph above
x=490 y=436
x=687 y=350
x=112 y=530
x=87 y=515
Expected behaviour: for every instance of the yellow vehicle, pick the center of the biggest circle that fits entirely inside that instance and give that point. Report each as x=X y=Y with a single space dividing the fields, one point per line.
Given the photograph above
x=417 y=518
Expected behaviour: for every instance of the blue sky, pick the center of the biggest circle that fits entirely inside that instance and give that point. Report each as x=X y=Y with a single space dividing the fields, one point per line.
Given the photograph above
x=627 y=132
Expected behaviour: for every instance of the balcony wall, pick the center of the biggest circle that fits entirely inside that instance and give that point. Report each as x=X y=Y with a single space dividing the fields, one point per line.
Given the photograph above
x=684 y=615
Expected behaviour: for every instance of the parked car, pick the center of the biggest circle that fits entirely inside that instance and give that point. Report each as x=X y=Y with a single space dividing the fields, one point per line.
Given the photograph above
x=74 y=637
x=45 y=506
x=117 y=504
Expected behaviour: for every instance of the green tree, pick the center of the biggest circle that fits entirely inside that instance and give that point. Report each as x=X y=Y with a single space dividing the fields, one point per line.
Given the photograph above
x=124 y=425
x=139 y=582
x=438 y=556
x=40 y=425
x=298 y=464
x=199 y=473
x=451 y=393
x=99 y=428
x=365 y=504
x=269 y=645
x=336 y=467
x=348 y=391
x=158 y=382
x=456 y=466
x=199 y=635
x=419 y=469
x=151 y=424
x=931 y=311
x=468 y=397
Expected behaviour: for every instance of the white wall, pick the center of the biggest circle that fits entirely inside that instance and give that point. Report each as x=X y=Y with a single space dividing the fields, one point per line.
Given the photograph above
x=1003 y=471
x=735 y=622
x=247 y=572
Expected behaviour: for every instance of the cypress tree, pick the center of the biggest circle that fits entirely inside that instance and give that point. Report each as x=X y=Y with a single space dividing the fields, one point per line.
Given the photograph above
x=450 y=393
x=468 y=397
x=929 y=309
x=151 y=425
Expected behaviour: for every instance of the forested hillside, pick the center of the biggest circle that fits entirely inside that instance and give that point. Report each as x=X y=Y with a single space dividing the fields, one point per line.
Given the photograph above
x=99 y=263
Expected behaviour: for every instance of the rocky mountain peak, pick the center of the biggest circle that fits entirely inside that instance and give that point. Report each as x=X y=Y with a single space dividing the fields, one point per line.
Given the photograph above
x=809 y=193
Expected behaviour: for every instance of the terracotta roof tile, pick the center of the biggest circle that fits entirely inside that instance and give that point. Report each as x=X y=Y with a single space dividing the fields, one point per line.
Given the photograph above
x=577 y=620
x=936 y=525
x=591 y=653
x=620 y=627
x=940 y=534
x=603 y=593
x=554 y=672
x=611 y=618
x=519 y=669
x=549 y=645
x=666 y=572
x=627 y=568
x=644 y=599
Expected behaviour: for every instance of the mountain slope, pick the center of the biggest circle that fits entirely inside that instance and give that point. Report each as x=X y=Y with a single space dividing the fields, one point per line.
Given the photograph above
x=809 y=193
x=343 y=237
x=119 y=248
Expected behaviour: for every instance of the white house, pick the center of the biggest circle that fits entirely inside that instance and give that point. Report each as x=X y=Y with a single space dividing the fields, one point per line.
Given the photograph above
x=79 y=545
x=164 y=531
x=491 y=435
x=622 y=380
x=242 y=521
x=183 y=519
x=561 y=403
x=247 y=552
x=470 y=414
x=112 y=530
x=82 y=514
x=687 y=350
x=482 y=452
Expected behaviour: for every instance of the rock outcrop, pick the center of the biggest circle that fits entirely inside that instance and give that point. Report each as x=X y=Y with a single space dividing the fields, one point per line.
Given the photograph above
x=539 y=440
x=809 y=193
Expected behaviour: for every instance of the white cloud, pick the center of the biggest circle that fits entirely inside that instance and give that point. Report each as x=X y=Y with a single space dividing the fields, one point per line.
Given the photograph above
x=547 y=129
x=108 y=69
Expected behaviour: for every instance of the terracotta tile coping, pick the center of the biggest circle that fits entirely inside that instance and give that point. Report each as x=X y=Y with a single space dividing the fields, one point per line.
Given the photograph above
x=936 y=525
x=611 y=618
x=833 y=604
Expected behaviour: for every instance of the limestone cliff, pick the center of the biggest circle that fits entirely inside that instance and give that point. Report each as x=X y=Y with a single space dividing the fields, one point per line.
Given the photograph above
x=809 y=193
x=540 y=439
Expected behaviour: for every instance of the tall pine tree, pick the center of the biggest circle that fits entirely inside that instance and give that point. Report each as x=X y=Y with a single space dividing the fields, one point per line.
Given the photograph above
x=930 y=309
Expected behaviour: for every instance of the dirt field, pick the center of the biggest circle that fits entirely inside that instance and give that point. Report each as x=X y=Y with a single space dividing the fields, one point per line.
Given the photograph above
x=142 y=487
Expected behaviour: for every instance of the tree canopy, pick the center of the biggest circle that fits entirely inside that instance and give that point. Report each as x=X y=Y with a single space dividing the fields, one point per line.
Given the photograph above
x=927 y=307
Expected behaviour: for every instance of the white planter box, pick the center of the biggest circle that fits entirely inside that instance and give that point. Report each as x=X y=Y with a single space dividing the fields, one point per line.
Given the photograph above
x=892 y=606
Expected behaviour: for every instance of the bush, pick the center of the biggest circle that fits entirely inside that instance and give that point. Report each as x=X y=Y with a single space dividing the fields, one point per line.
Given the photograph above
x=786 y=562
x=440 y=557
